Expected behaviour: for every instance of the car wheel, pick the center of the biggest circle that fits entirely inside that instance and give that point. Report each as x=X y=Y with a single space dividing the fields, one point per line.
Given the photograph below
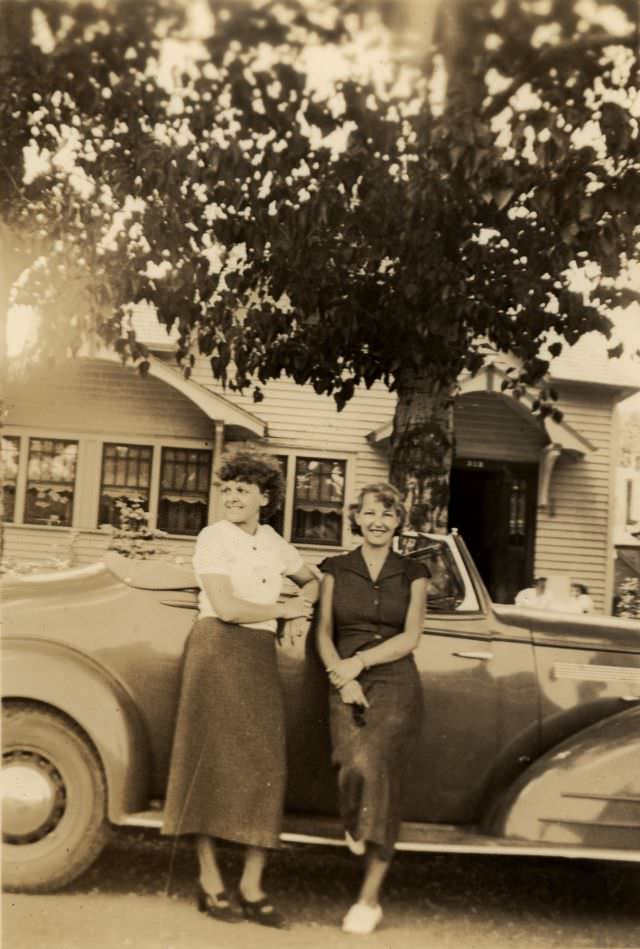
x=53 y=800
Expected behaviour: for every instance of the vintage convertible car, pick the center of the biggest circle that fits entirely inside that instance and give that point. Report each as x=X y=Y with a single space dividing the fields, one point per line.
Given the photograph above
x=530 y=740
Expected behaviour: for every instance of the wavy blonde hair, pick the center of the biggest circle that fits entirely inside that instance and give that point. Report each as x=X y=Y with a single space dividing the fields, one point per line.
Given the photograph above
x=387 y=495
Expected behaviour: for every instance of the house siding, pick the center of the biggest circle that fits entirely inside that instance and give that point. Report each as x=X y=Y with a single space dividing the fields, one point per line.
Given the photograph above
x=83 y=398
x=298 y=418
x=44 y=548
x=572 y=537
x=31 y=548
x=92 y=401
x=101 y=400
x=100 y=396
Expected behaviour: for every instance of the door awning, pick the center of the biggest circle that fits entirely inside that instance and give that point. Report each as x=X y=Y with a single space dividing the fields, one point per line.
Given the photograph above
x=559 y=435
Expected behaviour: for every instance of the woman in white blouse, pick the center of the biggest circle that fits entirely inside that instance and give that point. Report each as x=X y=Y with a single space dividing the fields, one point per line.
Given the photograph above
x=228 y=768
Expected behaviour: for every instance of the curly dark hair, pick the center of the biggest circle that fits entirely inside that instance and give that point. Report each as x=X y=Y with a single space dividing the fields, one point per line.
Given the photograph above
x=389 y=496
x=255 y=467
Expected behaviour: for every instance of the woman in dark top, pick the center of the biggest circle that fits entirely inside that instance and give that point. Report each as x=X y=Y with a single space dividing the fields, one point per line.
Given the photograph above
x=371 y=615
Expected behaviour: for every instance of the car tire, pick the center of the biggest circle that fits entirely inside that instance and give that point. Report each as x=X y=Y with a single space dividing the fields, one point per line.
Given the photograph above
x=54 y=800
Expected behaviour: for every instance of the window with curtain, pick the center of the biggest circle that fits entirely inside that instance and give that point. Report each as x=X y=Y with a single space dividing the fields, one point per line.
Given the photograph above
x=318 y=501
x=51 y=479
x=9 y=458
x=126 y=477
x=183 y=503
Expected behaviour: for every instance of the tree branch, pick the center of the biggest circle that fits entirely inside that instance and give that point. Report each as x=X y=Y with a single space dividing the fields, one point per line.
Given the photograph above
x=550 y=55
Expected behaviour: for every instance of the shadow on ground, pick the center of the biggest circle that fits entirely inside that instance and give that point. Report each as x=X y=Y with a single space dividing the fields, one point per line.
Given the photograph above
x=319 y=883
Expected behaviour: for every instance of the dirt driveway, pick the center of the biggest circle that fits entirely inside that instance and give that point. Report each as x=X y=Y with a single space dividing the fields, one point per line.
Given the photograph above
x=139 y=896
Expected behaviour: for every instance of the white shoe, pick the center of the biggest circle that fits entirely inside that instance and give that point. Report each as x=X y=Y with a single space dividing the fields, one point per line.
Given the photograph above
x=356 y=847
x=361 y=919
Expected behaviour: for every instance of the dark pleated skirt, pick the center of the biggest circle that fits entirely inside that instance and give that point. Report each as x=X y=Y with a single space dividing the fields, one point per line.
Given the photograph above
x=373 y=752
x=228 y=766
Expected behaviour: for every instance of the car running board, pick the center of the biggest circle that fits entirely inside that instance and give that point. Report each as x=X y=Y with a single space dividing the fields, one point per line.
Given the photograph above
x=419 y=838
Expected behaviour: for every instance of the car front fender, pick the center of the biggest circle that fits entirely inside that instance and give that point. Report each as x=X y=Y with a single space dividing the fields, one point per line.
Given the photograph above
x=585 y=791
x=63 y=679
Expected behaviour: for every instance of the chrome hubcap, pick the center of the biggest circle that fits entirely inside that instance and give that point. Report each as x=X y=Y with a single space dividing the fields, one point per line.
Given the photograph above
x=33 y=797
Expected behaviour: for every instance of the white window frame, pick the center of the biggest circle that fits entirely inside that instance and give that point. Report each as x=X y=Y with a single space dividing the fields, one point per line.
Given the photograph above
x=19 y=485
x=628 y=501
x=291 y=454
x=156 y=469
x=26 y=436
x=86 y=500
x=156 y=461
x=129 y=444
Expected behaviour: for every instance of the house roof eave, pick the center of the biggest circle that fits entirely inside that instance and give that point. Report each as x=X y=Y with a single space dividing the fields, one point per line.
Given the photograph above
x=489 y=380
x=215 y=406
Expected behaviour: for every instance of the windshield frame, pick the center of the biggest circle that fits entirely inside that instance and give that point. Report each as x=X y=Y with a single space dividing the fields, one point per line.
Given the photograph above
x=470 y=602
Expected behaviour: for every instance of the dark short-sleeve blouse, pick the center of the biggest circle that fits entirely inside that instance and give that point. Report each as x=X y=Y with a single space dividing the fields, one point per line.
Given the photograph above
x=365 y=611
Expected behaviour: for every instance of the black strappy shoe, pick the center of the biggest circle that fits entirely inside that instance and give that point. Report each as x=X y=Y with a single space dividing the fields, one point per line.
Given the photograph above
x=262 y=911
x=217 y=907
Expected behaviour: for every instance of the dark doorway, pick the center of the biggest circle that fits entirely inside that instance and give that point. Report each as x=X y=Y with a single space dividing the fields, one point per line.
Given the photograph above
x=492 y=505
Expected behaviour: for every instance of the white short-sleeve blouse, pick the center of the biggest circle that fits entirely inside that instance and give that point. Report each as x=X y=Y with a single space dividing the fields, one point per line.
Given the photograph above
x=255 y=564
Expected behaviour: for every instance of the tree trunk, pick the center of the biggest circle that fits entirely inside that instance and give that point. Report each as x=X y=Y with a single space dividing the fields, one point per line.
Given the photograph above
x=422 y=449
x=412 y=23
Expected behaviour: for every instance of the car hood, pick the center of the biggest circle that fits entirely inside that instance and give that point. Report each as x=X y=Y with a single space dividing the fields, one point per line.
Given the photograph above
x=64 y=585
x=587 y=631
x=78 y=582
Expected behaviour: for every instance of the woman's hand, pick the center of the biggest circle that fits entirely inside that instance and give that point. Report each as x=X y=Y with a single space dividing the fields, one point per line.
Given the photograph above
x=295 y=607
x=346 y=670
x=353 y=694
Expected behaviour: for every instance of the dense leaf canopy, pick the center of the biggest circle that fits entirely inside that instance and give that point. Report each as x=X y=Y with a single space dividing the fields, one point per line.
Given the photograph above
x=276 y=180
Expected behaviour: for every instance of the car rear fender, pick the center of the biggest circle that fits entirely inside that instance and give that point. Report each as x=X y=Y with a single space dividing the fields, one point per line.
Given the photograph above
x=585 y=791
x=66 y=680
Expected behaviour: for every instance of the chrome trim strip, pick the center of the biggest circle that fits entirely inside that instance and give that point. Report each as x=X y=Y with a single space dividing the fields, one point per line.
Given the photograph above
x=529 y=850
x=179 y=604
x=585 y=672
x=607 y=825
x=623 y=798
x=498 y=849
x=541 y=642
x=492 y=636
x=510 y=849
x=485 y=656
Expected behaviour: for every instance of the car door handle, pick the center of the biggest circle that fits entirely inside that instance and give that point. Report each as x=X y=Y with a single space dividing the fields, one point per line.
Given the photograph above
x=480 y=654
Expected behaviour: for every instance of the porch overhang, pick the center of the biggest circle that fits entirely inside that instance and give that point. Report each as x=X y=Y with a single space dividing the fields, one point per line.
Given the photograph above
x=242 y=423
x=559 y=435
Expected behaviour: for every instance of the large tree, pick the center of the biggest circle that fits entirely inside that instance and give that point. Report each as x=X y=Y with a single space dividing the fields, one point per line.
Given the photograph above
x=343 y=192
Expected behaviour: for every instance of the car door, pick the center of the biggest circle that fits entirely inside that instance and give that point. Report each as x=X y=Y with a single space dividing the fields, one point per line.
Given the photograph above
x=480 y=722
x=588 y=669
